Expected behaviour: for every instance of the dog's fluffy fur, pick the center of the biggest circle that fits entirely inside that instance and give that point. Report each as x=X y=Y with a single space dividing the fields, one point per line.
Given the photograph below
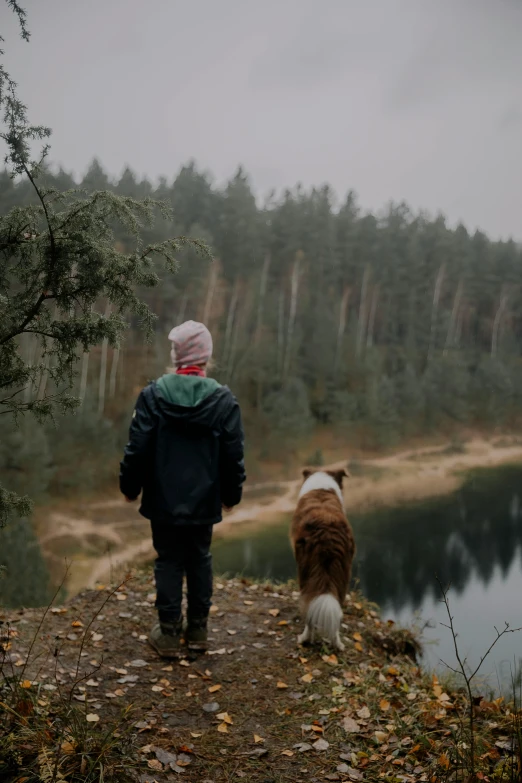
x=324 y=547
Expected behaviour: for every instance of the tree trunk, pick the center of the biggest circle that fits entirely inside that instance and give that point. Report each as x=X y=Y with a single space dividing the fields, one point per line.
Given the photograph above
x=363 y=310
x=294 y=290
x=259 y=326
x=227 y=348
x=280 y=332
x=114 y=372
x=342 y=327
x=182 y=309
x=450 y=337
x=103 y=368
x=434 y=309
x=498 y=318
x=371 y=320
x=212 y=280
x=83 y=377
x=262 y=295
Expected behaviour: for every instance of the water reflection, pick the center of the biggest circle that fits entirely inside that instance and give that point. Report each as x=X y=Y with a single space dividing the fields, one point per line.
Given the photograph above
x=455 y=539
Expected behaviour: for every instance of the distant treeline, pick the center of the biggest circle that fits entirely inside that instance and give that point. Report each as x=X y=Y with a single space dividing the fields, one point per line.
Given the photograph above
x=380 y=326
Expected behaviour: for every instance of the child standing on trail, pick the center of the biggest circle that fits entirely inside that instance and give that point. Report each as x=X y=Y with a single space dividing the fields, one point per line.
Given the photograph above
x=185 y=452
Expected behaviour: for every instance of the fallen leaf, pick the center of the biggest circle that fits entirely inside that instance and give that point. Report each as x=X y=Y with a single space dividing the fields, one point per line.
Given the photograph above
x=444 y=761
x=357 y=636
x=96 y=637
x=165 y=757
x=214 y=688
x=157 y=688
x=58 y=610
x=287 y=752
x=384 y=705
x=120 y=671
x=321 y=744
x=225 y=717
x=282 y=685
x=283 y=622
x=119 y=692
x=231 y=632
x=274 y=613
x=257 y=738
x=358 y=646
x=380 y=736
x=25 y=684
x=92 y=717
x=195 y=735
x=67 y=747
x=307 y=678
x=248 y=603
x=358 y=606
x=184 y=663
x=393 y=671
x=92 y=683
x=155 y=764
x=138 y=663
x=163 y=669
x=223 y=728
x=350 y=726
x=364 y=713
x=332 y=660
x=121 y=597
x=302 y=747
x=77 y=624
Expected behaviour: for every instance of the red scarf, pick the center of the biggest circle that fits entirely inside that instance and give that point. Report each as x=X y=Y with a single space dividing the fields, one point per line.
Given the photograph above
x=192 y=370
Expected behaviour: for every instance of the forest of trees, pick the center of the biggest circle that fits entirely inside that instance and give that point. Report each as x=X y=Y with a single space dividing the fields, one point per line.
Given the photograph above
x=380 y=326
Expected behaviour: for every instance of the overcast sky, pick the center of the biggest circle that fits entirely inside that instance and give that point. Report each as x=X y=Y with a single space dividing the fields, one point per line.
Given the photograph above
x=418 y=100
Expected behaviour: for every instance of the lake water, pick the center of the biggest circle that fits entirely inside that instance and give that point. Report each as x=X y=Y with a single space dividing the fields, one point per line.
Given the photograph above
x=471 y=540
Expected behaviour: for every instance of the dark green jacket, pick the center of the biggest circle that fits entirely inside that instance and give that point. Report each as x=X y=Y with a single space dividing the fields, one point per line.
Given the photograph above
x=185 y=451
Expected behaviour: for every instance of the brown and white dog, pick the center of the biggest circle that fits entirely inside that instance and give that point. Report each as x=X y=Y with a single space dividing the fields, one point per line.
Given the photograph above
x=324 y=547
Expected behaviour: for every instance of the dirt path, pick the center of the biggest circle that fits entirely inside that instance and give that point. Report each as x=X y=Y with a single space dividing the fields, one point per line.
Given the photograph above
x=122 y=536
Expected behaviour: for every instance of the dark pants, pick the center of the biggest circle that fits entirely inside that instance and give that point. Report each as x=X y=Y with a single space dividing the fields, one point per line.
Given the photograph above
x=182 y=550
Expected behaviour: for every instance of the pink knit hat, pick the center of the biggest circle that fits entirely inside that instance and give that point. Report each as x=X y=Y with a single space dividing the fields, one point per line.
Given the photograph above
x=191 y=344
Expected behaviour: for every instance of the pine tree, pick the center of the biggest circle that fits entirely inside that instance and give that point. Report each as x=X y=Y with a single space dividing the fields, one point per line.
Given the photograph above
x=58 y=260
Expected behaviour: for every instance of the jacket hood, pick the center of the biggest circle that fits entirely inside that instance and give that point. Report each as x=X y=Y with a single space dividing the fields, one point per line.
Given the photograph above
x=190 y=399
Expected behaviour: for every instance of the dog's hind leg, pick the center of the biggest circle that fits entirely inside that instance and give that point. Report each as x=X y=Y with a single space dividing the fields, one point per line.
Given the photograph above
x=305 y=636
x=338 y=643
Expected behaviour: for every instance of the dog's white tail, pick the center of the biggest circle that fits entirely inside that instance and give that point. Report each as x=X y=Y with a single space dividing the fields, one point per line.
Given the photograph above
x=324 y=616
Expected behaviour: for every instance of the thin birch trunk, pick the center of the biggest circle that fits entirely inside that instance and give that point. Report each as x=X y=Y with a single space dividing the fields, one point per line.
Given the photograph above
x=83 y=376
x=103 y=368
x=259 y=326
x=435 y=308
x=341 y=327
x=280 y=331
x=114 y=372
x=210 y=292
x=363 y=311
x=182 y=309
x=450 y=337
x=262 y=295
x=294 y=290
x=496 y=323
x=31 y=358
x=227 y=348
x=458 y=328
x=371 y=320
x=233 y=346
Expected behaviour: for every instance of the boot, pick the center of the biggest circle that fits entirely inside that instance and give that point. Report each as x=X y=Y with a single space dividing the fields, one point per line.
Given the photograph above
x=165 y=638
x=196 y=635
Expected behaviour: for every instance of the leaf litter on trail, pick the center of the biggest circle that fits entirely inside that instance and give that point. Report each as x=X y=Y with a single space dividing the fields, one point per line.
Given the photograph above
x=225 y=717
x=214 y=688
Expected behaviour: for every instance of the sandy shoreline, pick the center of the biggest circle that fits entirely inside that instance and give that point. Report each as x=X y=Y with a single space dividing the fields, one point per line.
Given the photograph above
x=102 y=539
